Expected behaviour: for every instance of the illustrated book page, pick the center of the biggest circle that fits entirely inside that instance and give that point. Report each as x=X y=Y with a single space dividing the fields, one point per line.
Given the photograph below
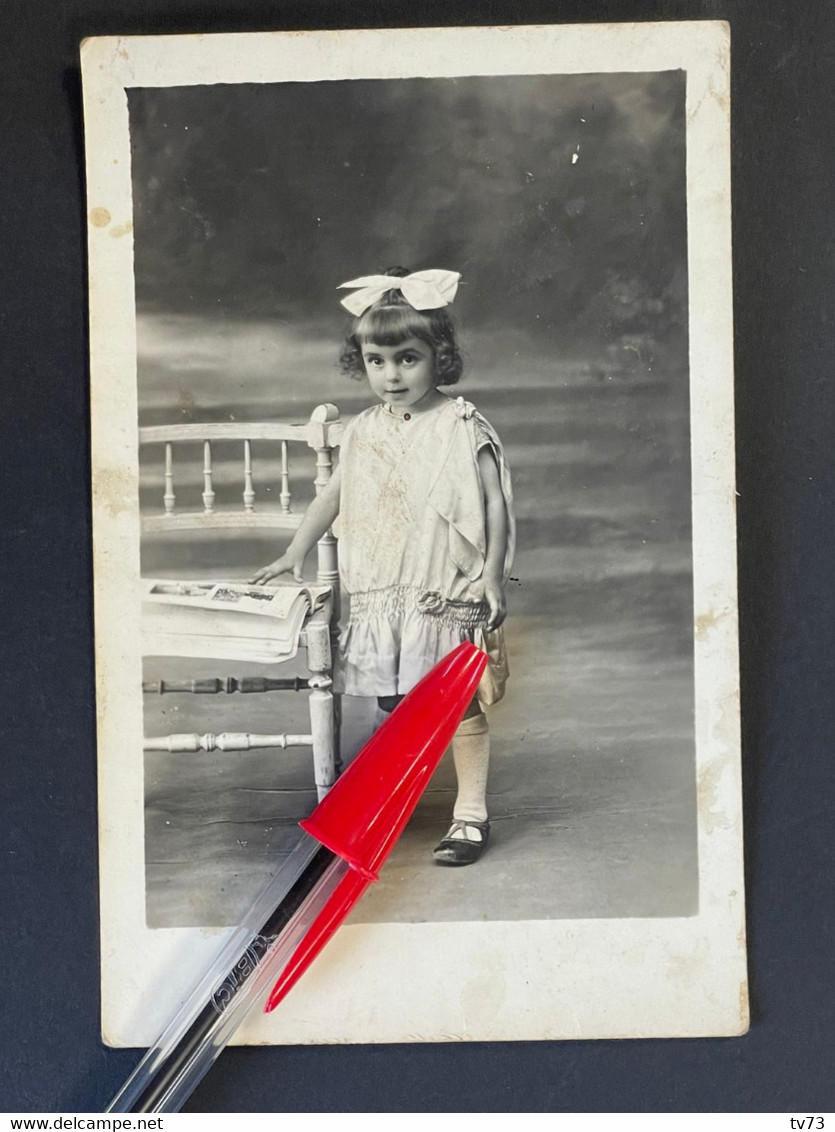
x=577 y=177
x=225 y=620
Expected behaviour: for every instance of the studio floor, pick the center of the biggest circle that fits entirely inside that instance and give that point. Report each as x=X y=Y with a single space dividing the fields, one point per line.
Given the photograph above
x=591 y=797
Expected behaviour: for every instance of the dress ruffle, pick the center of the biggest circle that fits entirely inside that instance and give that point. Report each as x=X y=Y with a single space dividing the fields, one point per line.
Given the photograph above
x=393 y=637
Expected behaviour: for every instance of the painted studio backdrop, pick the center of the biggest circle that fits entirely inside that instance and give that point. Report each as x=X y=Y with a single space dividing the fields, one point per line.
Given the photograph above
x=562 y=201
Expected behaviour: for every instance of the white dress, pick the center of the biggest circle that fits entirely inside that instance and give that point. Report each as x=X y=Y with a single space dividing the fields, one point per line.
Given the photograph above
x=412 y=542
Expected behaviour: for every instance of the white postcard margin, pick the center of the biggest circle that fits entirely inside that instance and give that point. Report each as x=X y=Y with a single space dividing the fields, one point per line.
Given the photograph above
x=430 y=981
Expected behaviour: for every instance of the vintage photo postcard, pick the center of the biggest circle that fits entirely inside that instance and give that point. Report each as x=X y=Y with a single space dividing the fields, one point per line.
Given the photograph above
x=398 y=339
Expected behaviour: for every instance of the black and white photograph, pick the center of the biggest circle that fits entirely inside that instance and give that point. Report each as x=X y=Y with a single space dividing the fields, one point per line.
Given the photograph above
x=413 y=359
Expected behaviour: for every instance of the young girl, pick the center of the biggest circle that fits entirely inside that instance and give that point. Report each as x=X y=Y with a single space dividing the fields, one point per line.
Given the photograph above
x=421 y=503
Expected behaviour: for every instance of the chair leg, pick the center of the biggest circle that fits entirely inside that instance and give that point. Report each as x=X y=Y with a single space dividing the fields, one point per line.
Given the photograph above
x=337 y=734
x=322 y=730
x=322 y=723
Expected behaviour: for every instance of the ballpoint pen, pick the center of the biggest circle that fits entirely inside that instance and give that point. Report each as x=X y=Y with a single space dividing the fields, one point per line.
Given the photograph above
x=344 y=844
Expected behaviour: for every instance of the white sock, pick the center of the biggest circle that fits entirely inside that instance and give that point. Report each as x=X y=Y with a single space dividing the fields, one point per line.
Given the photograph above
x=471 y=756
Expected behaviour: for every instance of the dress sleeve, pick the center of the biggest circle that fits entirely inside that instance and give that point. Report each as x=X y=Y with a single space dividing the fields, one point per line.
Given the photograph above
x=482 y=436
x=457 y=493
x=486 y=436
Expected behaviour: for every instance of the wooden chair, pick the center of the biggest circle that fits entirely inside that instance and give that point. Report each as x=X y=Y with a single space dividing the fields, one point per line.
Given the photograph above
x=321 y=433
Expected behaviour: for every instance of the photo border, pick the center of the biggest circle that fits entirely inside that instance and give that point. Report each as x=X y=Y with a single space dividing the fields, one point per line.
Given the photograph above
x=499 y=980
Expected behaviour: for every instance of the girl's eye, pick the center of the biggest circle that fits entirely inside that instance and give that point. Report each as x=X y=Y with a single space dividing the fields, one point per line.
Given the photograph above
x=409 y=359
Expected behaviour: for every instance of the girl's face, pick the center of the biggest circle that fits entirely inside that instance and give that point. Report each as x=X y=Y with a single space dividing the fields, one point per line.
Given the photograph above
x=401 y=374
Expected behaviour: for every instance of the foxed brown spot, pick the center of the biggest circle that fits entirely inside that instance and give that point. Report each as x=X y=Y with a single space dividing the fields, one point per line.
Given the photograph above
x=115 y=488
x=704 y=623
x=724 y=62
x=99 y=217
x=720 y=97
x=185 y=400
x=121 y=229
x=486 y=993
x=686 y=968
x=744 y=1020
x=707 y=791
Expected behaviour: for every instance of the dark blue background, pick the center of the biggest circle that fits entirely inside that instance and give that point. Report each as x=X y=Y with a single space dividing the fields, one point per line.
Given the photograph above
x=52 y=1057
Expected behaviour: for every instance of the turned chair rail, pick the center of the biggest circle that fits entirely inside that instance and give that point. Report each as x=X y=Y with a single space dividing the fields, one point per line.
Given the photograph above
x=215 y=685
x=225 y=741
x=322 y=433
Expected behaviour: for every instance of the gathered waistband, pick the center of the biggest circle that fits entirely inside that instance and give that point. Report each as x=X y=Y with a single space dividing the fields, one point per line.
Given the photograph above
x=397 y=601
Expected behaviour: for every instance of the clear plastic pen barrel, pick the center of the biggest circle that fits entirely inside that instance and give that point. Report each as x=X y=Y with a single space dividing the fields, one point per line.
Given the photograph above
x=239 y=980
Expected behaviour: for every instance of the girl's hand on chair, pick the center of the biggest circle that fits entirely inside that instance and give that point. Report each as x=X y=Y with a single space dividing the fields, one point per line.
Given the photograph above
x=494 y=596
x=286 y=564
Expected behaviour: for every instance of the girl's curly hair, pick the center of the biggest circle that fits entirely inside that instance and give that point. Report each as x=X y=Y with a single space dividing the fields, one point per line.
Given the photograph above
x=392 y=320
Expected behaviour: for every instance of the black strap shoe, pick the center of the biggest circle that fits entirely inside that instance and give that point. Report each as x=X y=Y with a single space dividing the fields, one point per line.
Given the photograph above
x=452 y=850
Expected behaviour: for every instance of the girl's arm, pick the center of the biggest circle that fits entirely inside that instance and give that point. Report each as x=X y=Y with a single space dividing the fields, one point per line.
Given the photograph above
x=496 y=516
x=318 y=518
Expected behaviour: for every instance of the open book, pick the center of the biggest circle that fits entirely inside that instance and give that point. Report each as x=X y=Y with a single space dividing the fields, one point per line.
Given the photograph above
x=226 y=620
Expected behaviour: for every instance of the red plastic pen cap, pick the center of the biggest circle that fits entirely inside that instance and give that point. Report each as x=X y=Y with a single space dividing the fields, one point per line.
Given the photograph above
x=365 y=811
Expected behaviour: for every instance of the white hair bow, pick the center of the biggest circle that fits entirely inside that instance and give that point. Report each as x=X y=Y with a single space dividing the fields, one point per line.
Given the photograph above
x=424 y=290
